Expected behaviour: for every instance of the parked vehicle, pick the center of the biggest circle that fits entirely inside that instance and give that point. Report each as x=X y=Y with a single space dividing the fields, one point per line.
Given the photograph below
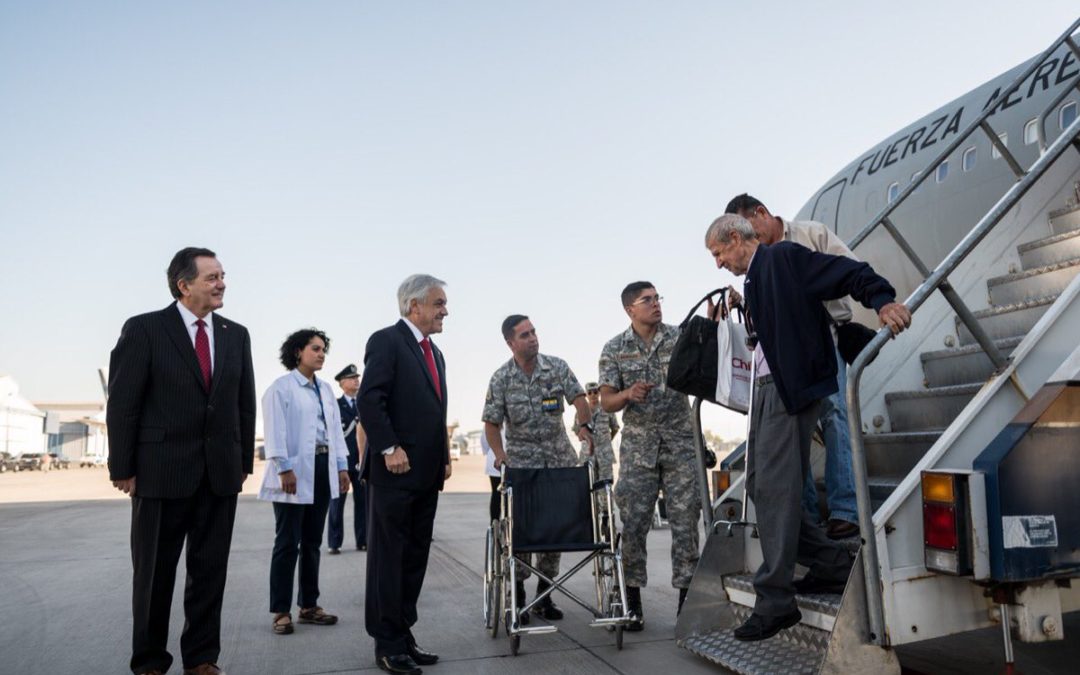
x=30 y=461
x=92 y=461
x=59 y=461
x=8 y=462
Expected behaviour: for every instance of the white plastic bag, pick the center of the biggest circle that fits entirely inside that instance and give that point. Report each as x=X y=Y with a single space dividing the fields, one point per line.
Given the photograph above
x=733 y=365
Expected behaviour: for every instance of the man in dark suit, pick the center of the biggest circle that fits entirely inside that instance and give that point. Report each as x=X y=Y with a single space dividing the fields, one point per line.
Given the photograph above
x=795 y=367
x=403 y=411
x=181 y=422
x=349 y=381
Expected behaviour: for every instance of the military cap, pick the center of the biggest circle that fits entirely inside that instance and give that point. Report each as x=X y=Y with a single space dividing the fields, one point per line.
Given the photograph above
x=592 y=386
x=346 y=372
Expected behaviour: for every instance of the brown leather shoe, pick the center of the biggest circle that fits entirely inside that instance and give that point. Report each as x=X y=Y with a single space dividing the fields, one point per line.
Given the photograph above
x=841 y=529
x=204 y=669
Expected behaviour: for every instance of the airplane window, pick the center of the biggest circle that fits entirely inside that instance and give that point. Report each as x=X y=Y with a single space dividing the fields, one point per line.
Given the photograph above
x=993 y=148
x=1030 y=134
x=942 y=171
x=915 y=177
x=1067 y=115
x=894 y=192
x=970 y=155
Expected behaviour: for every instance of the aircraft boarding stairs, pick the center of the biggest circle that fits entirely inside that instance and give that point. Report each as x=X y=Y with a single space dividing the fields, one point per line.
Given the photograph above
x=992 y=363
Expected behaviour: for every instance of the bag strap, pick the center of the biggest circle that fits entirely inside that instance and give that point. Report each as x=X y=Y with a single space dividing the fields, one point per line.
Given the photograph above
x=708 y=296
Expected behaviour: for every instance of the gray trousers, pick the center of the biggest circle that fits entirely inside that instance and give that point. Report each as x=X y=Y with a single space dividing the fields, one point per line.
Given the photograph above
x=779 y=462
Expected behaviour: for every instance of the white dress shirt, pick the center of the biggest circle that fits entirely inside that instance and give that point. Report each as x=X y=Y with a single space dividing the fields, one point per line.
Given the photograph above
x=189 y=323
x=419 y=338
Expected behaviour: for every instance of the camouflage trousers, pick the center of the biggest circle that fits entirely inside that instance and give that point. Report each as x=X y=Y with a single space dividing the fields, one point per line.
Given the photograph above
x=547 y=563
x=605 y=458
x=635 y=496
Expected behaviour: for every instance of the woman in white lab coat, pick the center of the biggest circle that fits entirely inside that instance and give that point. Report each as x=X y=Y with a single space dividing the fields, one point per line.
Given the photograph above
x=307 y=466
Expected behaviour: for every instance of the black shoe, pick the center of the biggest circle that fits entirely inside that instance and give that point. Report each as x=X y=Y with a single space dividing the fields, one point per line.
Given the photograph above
x=811 y=584
x=633 y=606
x=422 y=657
x=759 y=627
x=402 y=663
x=335 y=551
x=548 y=610
x=841 y=529
x=361 y=547
x=682 y=599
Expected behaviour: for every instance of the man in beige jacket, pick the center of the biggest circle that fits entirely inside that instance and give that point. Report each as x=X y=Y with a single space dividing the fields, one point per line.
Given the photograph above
x=839 y=481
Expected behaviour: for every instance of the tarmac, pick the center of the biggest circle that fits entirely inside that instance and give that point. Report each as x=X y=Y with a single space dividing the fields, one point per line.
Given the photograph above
x=66 y=589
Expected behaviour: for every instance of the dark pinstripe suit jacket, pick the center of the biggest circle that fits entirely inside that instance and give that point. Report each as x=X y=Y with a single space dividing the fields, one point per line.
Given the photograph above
x=164 y=427
x=398 y=406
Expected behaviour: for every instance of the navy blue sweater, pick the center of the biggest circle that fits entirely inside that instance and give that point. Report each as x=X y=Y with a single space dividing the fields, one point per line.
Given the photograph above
x=785 y=286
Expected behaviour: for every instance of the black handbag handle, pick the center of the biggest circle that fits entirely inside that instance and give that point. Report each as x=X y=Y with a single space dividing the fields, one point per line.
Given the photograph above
x=723 y=307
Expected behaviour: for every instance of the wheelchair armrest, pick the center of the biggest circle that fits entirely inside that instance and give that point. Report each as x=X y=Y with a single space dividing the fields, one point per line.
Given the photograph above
x=601 y=484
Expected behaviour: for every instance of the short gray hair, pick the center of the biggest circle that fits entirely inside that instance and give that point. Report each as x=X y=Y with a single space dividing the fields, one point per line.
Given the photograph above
x=722 y=228
x=416 y=287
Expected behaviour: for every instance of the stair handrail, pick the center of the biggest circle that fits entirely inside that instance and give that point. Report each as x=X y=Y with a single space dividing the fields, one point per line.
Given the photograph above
x=937 y=279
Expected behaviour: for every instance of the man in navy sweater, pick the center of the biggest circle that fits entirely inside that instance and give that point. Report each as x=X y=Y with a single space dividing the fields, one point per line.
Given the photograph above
x=795 y=368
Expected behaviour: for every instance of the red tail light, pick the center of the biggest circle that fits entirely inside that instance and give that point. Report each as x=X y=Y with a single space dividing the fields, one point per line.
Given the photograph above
x=939 y=526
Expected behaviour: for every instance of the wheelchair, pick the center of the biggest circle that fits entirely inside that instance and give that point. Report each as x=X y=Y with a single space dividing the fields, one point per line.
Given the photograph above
x=558 y=510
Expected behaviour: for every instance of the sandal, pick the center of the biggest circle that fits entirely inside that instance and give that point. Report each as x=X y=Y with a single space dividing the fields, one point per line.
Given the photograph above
x=317 y=616
x=282 y=624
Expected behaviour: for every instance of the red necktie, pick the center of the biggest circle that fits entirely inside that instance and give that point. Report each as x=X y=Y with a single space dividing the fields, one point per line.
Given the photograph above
x=202 y=352
x=429 y=356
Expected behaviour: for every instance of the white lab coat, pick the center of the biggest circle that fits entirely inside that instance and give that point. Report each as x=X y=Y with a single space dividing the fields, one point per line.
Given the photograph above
x=290 y=416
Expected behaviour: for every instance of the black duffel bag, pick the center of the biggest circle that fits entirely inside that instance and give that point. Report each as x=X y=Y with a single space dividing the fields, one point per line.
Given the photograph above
x=693 y=365
x=851 y=338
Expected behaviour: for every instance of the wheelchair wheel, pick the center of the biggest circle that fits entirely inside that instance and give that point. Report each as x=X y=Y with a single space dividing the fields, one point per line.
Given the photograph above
x=515 y=644
x=493 y=584
x=618 y=637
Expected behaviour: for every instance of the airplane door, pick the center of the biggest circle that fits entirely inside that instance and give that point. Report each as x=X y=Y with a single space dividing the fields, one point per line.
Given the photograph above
x=827 y=206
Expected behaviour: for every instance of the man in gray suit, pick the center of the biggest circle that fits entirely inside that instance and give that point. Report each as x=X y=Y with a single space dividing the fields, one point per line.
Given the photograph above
x=181 y=422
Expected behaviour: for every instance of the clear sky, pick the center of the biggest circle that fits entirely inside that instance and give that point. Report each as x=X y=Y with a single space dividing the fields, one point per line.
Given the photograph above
x=537 y=156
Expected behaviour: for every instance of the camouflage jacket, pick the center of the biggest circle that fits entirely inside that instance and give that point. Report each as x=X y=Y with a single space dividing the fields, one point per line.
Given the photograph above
x=532 y=408
x=664 y=417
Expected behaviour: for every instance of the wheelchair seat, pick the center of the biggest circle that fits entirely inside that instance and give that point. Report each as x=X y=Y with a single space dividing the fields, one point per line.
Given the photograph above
x=552 y=510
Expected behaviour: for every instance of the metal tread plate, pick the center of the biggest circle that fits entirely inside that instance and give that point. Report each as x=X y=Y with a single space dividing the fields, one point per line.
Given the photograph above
x=826 y=603
x=1047 y=241
x=754 y=658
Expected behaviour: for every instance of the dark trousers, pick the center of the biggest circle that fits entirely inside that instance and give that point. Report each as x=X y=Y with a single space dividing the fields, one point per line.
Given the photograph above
x=335 y=535
x=495 y=505
x=399 y=538
x=159 y=528
x=298 y=533
x=779 y=462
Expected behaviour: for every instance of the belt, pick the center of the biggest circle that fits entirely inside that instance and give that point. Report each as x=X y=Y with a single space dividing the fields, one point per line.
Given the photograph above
x=763 y=380
x=322 y=449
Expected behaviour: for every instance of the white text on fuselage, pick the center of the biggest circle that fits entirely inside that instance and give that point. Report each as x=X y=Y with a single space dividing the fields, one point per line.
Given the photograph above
x=949 y=124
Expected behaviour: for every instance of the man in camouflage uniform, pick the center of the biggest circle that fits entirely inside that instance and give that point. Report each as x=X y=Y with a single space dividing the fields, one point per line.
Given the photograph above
x=527 y=393
x=605 y=426
x=657 y=450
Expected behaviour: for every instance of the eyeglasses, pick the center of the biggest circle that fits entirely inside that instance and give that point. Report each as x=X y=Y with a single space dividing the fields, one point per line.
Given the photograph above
x=648 y=300
x=593 y=391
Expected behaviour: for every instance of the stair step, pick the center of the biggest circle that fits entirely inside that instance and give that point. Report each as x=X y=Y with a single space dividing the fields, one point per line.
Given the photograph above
x=928 y=409
x=827 y=604
x=892 y=455
x=754 y=658
x=1035 y=283
x=1050 y=250
x=1065 y=220
x=1007 y=321
x=881 y=488
x=963 y=365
